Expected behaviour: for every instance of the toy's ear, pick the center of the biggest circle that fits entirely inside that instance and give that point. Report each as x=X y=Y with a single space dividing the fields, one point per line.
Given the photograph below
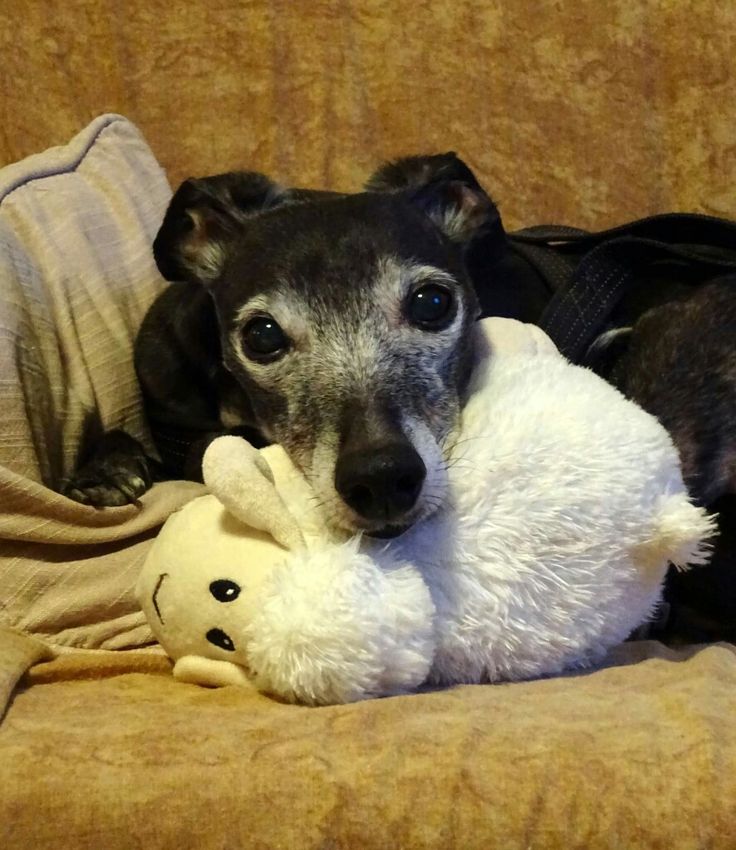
x=198 y=670
x=241 y=479
x=203 y=216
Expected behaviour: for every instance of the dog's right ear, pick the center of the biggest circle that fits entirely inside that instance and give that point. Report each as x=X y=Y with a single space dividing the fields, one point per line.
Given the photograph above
x=203 y=217
x=446 y=189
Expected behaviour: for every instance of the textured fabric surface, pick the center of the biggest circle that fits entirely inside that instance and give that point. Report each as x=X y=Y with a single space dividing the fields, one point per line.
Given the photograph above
x=17 y=653
x=638 y=756
x=77 y=274
x=577 y=111
x=76 y=226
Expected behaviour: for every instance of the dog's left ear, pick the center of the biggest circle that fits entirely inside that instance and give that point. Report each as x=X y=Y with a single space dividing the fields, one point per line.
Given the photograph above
x=461 y=210
x=606 y=349
x=444 y=187
x=414 y=172
x=202 y=218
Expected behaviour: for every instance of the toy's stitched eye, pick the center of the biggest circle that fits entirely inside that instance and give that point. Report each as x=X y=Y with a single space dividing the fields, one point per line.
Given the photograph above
x=430 y=307
x=225 y=590
x=263 y=338
x=219 y=638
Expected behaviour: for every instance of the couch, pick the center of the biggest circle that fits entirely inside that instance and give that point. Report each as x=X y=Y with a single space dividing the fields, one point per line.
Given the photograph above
x=568 y=112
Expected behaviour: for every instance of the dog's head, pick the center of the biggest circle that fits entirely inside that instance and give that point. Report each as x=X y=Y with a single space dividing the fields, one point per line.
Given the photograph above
x=347 y=321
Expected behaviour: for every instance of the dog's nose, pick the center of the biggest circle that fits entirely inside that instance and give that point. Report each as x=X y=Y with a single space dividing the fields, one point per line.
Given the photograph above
x=381 y=484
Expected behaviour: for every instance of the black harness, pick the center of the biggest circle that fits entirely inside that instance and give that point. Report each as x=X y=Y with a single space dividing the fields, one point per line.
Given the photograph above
x=589 y=280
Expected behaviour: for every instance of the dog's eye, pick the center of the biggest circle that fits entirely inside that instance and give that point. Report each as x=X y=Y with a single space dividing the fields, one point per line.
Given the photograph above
x=263 y=338
x=430 y=307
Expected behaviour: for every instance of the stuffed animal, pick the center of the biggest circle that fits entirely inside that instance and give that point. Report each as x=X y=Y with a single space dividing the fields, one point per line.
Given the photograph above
x=565 y=504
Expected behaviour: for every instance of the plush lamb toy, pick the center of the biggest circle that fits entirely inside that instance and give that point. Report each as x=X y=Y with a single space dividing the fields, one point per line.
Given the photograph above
x=565 y=505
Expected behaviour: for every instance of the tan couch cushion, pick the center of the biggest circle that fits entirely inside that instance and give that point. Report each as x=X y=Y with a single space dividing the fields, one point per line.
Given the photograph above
x=639 y=755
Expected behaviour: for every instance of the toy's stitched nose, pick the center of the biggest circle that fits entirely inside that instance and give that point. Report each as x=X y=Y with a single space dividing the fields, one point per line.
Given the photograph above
x=381 y=484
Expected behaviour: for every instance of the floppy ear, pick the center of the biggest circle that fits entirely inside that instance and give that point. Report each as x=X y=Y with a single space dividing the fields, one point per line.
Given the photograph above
x=413 y=172
x=606 y=349
x=461 y=210
x=201 y=219
x=446 y=189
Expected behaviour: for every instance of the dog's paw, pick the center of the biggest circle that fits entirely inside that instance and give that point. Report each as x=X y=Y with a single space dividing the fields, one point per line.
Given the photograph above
x=103 y=489
x=118 y=473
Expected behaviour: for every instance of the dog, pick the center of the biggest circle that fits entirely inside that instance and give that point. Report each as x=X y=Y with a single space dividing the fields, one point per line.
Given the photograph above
x=340 y=326
x=669 y=348
x=287 y=319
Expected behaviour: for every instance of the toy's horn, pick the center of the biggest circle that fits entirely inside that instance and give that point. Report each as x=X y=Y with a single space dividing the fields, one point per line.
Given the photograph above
x=241 y=479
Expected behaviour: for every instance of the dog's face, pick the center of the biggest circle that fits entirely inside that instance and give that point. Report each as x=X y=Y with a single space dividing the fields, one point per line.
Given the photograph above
x=347 y=321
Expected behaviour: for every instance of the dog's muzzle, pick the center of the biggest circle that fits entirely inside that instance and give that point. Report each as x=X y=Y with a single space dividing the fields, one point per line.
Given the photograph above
x=381 y=483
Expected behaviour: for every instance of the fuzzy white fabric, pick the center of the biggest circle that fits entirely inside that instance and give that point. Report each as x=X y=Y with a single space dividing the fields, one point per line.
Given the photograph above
x=566 y=504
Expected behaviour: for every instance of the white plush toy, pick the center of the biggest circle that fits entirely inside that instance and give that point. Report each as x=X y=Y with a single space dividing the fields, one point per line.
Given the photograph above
x=565 y=505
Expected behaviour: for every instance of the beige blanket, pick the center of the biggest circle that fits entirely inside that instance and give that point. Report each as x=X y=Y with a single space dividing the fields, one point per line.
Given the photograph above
x=76 y=274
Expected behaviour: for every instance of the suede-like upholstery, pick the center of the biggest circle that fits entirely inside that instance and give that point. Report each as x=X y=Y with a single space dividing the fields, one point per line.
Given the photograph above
x=587 y=112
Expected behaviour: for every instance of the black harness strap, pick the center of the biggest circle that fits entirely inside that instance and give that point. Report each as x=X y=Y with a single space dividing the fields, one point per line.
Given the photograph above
x=589 y=273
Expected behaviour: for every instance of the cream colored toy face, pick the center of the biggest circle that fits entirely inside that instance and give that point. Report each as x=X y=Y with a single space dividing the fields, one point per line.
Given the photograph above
x=215 y=620
x=200 y=597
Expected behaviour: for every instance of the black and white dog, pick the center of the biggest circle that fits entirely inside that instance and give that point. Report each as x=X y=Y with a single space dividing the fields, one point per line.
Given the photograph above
x=341 y=327
x=337 y=325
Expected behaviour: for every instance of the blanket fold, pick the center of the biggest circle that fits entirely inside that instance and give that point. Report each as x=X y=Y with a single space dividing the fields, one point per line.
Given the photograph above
x=18 y=652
